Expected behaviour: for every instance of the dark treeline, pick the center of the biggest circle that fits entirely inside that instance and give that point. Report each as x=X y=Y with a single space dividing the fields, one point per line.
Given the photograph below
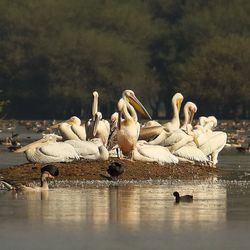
x=54 y=53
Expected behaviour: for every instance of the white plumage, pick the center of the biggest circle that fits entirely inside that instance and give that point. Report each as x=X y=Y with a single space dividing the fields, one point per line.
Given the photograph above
x=89 y=149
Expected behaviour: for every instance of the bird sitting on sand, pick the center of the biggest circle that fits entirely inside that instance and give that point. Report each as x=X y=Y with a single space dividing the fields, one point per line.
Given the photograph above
x=115 y=169
x=184 y=198
x=48 y=171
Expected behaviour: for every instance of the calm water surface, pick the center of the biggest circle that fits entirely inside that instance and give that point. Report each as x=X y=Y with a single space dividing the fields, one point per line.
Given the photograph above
x=131 y=215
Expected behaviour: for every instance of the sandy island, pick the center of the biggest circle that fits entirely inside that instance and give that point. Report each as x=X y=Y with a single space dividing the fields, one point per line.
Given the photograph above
x=96 y=170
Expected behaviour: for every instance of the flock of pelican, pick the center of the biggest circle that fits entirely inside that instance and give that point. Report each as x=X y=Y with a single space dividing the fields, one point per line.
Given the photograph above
x=124 y=136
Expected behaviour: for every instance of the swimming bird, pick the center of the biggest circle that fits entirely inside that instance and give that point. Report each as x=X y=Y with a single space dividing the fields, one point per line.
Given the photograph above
x=47 y=172
x=115 y=169
x=184 y=198
x=48 y=150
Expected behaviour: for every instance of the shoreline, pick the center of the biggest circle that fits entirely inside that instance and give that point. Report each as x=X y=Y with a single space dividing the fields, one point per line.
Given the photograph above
x=92 y=170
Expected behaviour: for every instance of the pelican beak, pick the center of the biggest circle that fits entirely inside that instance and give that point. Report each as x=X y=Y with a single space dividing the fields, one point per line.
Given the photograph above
x=55 y=125
x=119 y=120
x=149 y=132
x=178 y=104
x=138 y=106
x=96 y=122
x=33 y=144
x=195 y=138
x=70 y=122
x=191 y=117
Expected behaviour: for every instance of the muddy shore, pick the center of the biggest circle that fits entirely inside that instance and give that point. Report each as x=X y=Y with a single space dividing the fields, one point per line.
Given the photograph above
x=97 y=170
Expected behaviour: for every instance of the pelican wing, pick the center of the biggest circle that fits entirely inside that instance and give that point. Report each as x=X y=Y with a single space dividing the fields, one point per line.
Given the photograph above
x=215 y=143
x=60 y=151
x=191 y=153
x=67 y=133
x=175 y=137
x=79 y=131
x=157 y=153
x=84 y=148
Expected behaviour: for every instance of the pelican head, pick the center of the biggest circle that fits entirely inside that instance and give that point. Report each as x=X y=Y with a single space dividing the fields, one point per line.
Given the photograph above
x=97 y=118
x=73 y=120
x=95 y=94
x=213 y=120
x=120 y=107
x=177 y=100
x=47 y=138
x=191 y=109
x=129 y=96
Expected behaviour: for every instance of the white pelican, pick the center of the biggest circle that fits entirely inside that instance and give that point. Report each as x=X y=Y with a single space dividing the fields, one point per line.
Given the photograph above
x=129 y=128
x=47 y=150
x=210 y=142
x=172 y=125
x=128 y=96
x=97 y=127
x=71 y=129
x=128 y=133
x=93 y=150
x=151 y=153
x=47 y=172
x=112 y=141
x=170 y=138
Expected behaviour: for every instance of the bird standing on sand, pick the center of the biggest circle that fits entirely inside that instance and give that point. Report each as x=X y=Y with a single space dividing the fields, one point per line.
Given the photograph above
x=115 y=169
x=184 y=198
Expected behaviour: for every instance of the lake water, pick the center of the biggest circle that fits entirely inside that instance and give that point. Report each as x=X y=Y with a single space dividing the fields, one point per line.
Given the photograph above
x=139 y=215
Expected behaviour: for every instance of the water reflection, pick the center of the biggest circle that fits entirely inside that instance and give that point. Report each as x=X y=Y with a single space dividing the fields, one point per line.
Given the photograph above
x=129 y=206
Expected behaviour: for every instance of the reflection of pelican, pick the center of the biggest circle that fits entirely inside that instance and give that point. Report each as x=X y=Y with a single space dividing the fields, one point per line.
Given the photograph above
x=97 y=127
x=89 y=149
x=47 y=172
x=71 y=129
x=47 y=150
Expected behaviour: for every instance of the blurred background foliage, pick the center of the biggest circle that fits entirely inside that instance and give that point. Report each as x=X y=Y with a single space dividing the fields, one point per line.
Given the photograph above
x=54 y=53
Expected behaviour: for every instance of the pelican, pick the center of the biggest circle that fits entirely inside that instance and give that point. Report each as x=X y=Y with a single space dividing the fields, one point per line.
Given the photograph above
x=208 y=141
x=181 y=142
x=174 y=124
x=168 y=139
x=128 y=98
x=128 y=133
x=47 y=172
x=47 y=150
x=71 y=129
x=97 y=127
x=112 y=141
x=153 y=153
x=93 y=150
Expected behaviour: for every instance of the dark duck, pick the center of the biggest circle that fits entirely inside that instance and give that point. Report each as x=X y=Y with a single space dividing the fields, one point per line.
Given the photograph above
x=184 y=198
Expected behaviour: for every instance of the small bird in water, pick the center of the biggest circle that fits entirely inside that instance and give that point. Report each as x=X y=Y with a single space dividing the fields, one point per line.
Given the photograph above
x=184 y=198
x=115 y=169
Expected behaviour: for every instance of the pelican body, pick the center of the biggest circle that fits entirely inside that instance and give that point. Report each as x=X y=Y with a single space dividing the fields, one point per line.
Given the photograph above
x=47 y=150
